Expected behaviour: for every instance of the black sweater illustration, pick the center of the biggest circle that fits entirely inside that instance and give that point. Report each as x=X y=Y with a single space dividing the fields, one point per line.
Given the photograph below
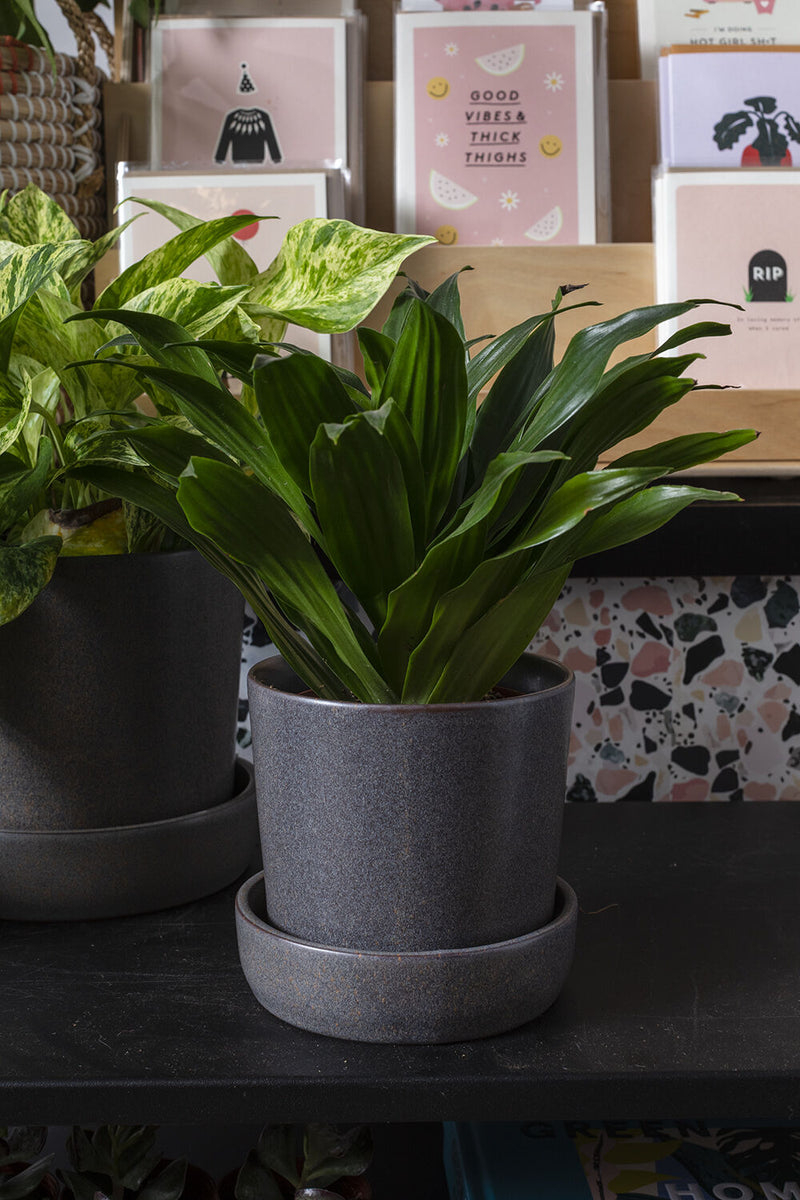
x=248 y=133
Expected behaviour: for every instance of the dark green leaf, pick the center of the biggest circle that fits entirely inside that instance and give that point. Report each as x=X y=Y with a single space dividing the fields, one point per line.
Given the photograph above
x=359 y=493
x=330 y=1153
x=689 y=450
x=427 y=380
x=164 y=340
x=168 y=1184
x=446 y=299
x=487 y=362
x=507 y=406
x=137 y=488
x=295 y=396
x=254 y=526
x=277 y=1150
x=491 y=646
x=376 y=351
x=255 y=1182
x=575 y=378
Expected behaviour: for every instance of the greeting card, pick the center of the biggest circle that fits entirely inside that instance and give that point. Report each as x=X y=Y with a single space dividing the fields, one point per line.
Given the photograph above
x=734 y=236
x=494 y=116
x=725 y=106
x=288 y=196
x=256 y=91
x=713 y=23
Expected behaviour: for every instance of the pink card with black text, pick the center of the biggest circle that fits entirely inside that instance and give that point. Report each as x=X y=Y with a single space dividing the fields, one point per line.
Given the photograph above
x=494 y=120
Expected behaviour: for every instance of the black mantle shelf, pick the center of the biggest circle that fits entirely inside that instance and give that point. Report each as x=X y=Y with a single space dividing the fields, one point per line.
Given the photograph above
x=684 y=999
x=757 y=535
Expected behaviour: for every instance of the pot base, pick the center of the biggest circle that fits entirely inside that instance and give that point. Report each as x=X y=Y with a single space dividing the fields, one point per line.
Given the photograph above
x=76 y=875
x=420 y=996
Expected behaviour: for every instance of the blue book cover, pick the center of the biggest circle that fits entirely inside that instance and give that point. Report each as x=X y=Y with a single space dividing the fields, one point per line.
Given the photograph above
x=597 y=1160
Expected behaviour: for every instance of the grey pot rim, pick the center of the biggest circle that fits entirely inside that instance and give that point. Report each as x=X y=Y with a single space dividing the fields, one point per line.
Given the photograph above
x=504 y=702
x=241 y=798
x=566 y=910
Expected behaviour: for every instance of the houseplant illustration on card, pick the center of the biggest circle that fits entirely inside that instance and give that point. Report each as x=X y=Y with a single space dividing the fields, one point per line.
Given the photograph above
x=775 y=129
x=410 y=756
x=120 y=788
x=248 y=133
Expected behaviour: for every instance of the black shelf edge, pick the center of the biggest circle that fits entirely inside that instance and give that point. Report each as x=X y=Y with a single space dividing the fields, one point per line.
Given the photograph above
x=758 y=535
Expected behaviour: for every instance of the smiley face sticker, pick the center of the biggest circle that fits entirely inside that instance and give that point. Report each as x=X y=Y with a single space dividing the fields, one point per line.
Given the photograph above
x=447 y=235
x=438 y=87
x=550 y=145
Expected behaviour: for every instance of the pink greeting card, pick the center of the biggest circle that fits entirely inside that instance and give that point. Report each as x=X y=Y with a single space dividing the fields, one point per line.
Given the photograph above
x=250 y=91
x=734 y=236
x=494 y=118
x=289 y=196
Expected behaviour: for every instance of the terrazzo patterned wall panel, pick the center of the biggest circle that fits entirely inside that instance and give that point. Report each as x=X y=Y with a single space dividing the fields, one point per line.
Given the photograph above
x=687 y=688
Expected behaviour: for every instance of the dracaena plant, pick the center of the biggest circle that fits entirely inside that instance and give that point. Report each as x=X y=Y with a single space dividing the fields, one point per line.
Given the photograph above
x=452 y=525
x=52 y=410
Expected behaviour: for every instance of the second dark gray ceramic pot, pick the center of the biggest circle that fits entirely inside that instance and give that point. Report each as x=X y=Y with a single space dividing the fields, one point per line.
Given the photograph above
x=118 y=694
x=411 y=827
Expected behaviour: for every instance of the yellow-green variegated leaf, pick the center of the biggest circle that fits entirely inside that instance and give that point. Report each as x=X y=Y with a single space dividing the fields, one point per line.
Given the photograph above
x=170 y=260
x=106 y=534
x=24 y=273
x=230 y=260
x=32 y=217
x=199 y=307
x=24 y=571
x=12 y=419
x=329 y=275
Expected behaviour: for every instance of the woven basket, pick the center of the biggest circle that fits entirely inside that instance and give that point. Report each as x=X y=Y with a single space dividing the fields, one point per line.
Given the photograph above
x=51 y=120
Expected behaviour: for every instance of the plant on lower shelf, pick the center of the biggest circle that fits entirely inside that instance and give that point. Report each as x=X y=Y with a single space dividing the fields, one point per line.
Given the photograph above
x=51 y=410
x=23 y=1173
x=117 y=1162
x=315 y=1162
x=453 y=525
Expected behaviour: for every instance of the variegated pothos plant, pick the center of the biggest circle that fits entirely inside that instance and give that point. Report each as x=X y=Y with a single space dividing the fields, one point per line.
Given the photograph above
x=53 y=410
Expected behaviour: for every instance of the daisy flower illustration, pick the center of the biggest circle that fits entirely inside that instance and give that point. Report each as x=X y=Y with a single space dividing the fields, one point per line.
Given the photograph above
x=442 y=139
x=451 y=49
x=497 y=242
x=553 y=81
x=509 y=201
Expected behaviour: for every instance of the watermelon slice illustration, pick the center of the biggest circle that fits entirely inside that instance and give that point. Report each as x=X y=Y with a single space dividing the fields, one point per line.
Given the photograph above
x=449 y=194
x=502 y=62
x=547 y=227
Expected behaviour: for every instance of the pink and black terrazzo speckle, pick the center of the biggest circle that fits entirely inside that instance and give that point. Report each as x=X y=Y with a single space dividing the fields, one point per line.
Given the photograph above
x=686 y=687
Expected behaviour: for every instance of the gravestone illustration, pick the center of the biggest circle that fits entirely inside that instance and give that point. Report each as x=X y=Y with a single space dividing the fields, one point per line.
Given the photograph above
x=766 y=276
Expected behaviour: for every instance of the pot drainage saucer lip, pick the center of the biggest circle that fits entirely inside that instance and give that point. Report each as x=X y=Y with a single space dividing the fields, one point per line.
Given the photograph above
x=80 y=874
x=424 y=996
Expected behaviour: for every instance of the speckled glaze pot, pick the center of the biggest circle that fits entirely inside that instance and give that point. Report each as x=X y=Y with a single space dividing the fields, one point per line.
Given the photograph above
x=409 y=828
x=118 y=697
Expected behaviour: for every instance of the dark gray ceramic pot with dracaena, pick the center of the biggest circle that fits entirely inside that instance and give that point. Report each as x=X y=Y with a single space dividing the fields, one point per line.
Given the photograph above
x=391 y=794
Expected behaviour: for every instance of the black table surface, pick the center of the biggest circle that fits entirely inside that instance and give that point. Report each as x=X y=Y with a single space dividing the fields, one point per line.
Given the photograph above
x=684 y=1000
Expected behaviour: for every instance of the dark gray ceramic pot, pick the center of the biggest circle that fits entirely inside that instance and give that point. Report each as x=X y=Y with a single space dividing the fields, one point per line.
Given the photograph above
x=118 y=694
x=118 y=704
x=411 y=827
